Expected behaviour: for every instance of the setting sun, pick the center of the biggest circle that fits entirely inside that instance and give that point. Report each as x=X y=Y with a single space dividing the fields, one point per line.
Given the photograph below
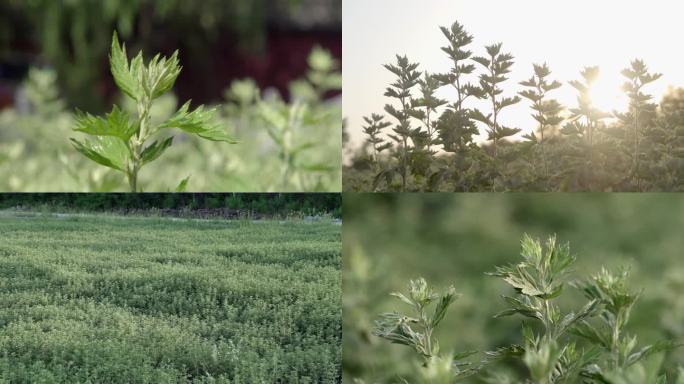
x=506 y=96
x=607 y=95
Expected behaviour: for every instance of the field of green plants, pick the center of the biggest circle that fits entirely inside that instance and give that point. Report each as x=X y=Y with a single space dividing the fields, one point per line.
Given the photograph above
x=95 y=299
x=423 y=142
x=498 y=306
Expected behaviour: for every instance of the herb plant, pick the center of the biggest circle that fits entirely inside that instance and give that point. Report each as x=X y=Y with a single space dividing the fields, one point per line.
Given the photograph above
x=402 y=132
x=125 y=143
x=538 y=280
x=612 y=291
x=455 y=126
x=189 y=301
x=375 y=125
x=570 y=148
x=640 y=114
x=587 y=345
x=416 y=330
x=547 y=112
x=497 y=65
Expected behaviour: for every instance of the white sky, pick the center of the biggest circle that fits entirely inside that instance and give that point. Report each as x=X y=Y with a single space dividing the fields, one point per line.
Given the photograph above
x=568 y=35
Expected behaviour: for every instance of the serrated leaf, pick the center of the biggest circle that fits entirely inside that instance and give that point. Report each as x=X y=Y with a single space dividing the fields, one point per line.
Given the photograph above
x=104 y=150
x=124 y=76
x=162 y=74
x=116 y=124
x=442 y=305
x=154 y=150
x=402 y=297
x=198 y=122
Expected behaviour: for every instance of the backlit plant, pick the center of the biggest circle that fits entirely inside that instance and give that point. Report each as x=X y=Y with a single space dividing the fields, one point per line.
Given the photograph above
x=569 y=148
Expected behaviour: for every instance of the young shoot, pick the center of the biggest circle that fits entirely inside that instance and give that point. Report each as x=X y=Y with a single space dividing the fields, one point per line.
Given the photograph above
x=617 y=300
x=416 y=330
x=538 y=280
x=284 y=122
x=128 y=143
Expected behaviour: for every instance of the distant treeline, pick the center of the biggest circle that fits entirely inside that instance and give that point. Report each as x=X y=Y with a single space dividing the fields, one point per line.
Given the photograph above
x=262 y=203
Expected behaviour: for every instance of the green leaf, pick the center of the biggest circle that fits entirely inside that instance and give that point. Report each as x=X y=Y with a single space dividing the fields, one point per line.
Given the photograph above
x=198 y=122
x=649 y=350
x=183 y=185
x=104 y=150
x=317 y=167
x=116 y=124
x=216 y=133
x=440 y=309
x=153 y=151
x=125 y=77
x=160 y=75
x=403 y=298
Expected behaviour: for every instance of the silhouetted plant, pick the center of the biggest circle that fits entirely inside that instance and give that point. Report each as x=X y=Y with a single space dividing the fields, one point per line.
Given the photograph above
x=407 y=78
x=375 y=125
x=640 y=114
x=547 y=111
x=579 y=149
x=455 y=127
x=583 y=126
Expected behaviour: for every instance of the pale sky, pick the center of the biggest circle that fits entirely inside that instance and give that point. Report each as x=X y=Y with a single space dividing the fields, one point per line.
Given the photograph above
x=568 y=35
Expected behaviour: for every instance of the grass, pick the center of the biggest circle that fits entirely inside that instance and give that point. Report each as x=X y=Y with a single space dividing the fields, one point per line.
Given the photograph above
x=145 y=300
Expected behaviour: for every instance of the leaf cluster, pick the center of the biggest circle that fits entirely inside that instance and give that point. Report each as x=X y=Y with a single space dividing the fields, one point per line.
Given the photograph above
x=550 y=349
x=122 y=142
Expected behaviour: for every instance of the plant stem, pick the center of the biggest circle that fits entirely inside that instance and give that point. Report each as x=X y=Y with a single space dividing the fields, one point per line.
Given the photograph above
x=137 y=141
x=636 y=139
x=404 y=157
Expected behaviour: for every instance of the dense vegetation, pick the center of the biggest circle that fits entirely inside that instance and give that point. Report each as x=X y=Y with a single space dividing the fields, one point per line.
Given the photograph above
x=263 y=203
x=549 y=349
x=132 y=300
x=426 y=143
x=457 y=240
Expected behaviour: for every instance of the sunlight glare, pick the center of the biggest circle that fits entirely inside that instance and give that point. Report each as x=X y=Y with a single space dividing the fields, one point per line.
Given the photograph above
x=607 y=95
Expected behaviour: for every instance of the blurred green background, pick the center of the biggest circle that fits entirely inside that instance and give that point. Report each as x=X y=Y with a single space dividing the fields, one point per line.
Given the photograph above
x=455 y=239
x=54 y=59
